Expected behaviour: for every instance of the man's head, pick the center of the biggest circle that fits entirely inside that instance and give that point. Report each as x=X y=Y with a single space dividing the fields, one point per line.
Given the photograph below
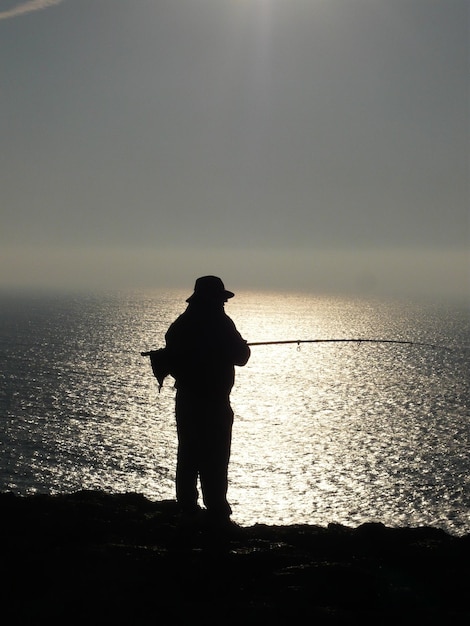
x=210 y=289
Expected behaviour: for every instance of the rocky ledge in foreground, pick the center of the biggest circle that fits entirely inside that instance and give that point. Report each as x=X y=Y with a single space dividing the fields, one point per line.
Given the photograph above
x=95 y=558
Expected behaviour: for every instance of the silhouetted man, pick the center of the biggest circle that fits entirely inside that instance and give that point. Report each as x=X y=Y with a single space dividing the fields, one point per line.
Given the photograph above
x=203 y=346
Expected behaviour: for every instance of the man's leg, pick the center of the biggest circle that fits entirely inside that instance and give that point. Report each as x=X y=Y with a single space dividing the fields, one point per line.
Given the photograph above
x=214 y=463
x=187 y=458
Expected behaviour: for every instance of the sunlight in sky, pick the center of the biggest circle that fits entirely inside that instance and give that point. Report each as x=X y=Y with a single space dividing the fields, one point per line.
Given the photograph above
x=290 y=143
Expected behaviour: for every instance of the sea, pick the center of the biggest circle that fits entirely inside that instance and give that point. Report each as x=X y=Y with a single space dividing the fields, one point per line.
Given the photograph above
x=342 y=432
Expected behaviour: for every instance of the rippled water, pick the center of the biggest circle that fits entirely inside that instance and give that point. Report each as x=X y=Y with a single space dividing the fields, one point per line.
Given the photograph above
x=333 y=432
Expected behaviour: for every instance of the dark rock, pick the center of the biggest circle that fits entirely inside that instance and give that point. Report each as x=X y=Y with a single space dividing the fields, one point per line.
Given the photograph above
x=96 y=558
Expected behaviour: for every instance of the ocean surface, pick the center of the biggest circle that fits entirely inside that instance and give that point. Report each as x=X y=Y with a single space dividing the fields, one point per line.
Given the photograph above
x=340 y=432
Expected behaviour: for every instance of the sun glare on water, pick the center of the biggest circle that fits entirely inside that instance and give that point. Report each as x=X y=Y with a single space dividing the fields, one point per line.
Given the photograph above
x=323 y=432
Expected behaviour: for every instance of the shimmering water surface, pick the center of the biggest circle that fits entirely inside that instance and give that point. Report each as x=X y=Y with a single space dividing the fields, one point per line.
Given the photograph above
x=333 y=432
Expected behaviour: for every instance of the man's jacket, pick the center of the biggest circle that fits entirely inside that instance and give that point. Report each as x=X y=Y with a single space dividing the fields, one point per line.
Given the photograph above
x=203 y=346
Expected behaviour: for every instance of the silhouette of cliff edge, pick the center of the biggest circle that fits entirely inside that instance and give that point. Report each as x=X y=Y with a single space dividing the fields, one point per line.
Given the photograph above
x=97 y=558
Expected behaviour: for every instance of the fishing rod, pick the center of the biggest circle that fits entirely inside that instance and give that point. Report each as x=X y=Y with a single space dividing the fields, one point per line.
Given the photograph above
x=360 y=340
x=161 y=367
x=355 y=340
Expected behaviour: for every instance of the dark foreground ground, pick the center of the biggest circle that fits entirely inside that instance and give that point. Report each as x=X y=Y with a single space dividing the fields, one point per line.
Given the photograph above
x=93 y=558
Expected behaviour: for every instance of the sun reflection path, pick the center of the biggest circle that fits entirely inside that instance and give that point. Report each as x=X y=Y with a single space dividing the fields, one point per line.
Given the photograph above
x=331 y=433
x=339 y=432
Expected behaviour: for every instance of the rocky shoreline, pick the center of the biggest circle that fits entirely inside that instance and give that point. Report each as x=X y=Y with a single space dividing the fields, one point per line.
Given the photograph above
x=96 y=558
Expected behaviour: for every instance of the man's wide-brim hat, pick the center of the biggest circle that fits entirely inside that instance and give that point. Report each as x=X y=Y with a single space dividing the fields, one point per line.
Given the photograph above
x=210 y=288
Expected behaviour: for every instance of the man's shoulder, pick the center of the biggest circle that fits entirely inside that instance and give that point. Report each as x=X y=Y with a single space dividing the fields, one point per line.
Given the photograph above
x=180 y=324
x=229 y=321
x=179 y=319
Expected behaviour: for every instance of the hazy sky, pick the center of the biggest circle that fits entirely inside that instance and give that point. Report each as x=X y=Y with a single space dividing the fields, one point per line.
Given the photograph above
x=314 y=144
